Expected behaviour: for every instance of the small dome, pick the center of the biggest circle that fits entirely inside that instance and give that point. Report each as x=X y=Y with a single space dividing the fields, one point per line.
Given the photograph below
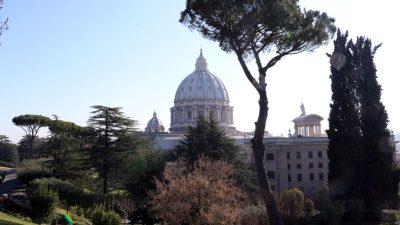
x=154 y=124
x=201 y=85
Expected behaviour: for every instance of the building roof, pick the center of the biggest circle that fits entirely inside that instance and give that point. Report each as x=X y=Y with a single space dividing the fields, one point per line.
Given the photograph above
x=154 y=122
x=201 y=85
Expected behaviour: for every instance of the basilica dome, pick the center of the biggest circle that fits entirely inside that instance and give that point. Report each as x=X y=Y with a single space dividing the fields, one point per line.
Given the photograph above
x=154 y=125
x=201 y=93
x=201 y=85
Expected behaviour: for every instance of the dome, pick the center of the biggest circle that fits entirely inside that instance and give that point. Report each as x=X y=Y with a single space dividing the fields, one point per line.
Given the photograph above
x=201 y=93
x=154 y=124
x=307 y=125
x=201 y=85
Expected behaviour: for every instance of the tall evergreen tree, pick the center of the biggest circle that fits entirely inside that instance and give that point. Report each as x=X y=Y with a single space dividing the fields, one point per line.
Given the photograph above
x=8 y=150
x=111 y=130
x=360 y=153
x=206 y=139
x=67 y=158
x=380 y=184
x=344 y=123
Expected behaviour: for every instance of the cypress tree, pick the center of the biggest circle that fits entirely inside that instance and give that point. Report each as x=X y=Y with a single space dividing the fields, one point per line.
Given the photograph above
x=344 y=124
x=360 y=151
x=380 y=184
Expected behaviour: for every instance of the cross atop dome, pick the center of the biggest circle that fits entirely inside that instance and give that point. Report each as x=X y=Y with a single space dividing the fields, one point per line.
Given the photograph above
x=201 y=64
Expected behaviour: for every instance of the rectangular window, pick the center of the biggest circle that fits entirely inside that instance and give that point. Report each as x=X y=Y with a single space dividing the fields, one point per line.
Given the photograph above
x=288 y=166
x=299 y=177
x=270 y=156
x=319 y=154
x=272 y=187
x=298 y=155
x=271 y=174
x=288 y=155
x=189 y=115
x=321 y=176
x=311 y=177
x=320 y=165
x=298 y=166
x=311 y=166
x=289 y=177
x=310 y=154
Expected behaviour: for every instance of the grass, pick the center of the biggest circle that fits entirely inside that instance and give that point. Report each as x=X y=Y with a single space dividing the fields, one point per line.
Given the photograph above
x=6 y=219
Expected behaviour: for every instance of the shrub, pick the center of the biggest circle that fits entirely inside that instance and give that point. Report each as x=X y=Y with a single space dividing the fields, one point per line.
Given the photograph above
x=333 y=213
x=69 y=193
x=254 y=215
x=102 y=217
x=29 y=170
x=355 y=209
x=44 y=202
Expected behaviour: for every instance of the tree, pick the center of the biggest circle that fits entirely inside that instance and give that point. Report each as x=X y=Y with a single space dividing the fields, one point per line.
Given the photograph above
x=3 y=24
x=249 y=28
x=31 y=124
x=8 y=151
x=380 y=184
x=205 y=195
x=141 y=168
x=294 y=207
x=344 y=151
x=360 y=154
x=110 y=130
x=67 y=158
x=206 y=139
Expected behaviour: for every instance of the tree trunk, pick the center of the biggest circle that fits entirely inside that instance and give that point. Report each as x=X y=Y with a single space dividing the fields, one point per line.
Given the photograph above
x=258 y=150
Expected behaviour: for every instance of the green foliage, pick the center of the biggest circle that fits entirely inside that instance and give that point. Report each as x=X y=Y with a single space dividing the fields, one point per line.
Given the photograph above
x=8 y=151
x=44 y=202
x=101 y=216
x=206 y=139
x=29 y=170
x=248 y=26
x=68 y=192
x=31 y=125
x=294 y=207
x=110 y=132
x=356 y=210
x=254 y=215
x=360 y=153
x=67 y=158
x=333 y=213
x=140 y=169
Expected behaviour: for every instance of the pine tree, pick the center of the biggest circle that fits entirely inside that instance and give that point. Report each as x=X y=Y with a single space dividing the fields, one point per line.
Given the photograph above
x=67 y=158
x=110 y=130
x=206 y=139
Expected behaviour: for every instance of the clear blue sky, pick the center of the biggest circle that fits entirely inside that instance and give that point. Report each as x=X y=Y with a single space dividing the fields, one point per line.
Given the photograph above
x=61 y=57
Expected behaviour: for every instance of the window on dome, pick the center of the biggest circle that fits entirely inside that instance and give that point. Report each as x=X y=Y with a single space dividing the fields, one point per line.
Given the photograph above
x=189 y=115
x=190 y=88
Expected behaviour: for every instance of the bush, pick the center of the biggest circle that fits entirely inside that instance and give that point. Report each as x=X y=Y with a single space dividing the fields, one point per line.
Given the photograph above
x=254 y=215
x=44 y=202
x=355 y=210
x=333 y=213
x=102 y=217
x=29 y=170
x=68 y=192
x=390 y=217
